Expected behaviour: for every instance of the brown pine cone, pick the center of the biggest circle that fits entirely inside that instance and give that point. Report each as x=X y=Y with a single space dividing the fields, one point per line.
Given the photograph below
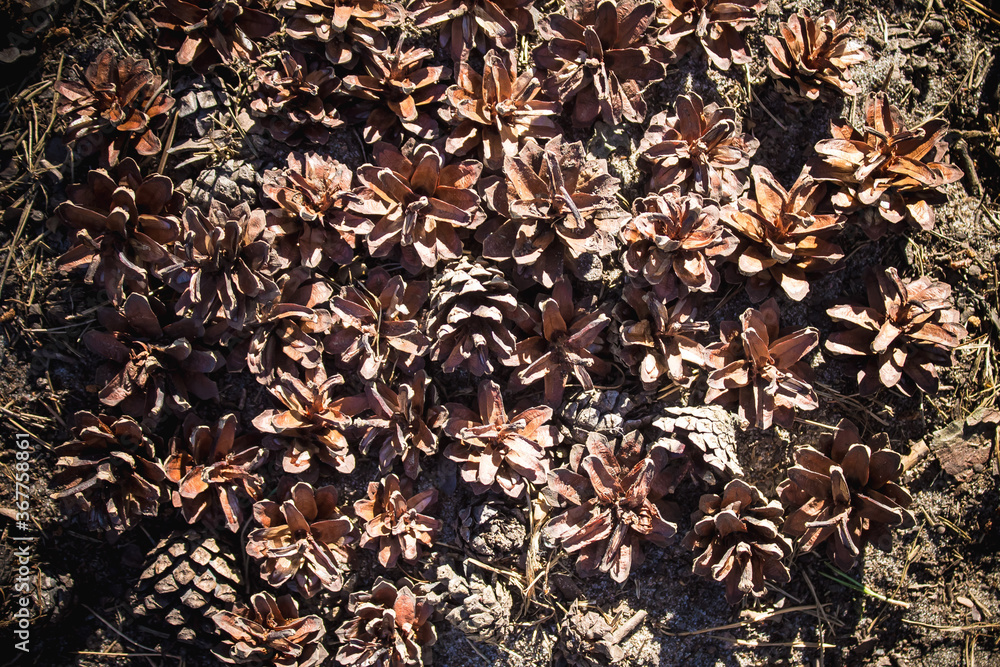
x=845 y=493
x=737 y=535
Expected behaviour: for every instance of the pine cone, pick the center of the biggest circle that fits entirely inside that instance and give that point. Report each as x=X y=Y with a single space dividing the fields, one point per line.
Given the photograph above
x=717 y=25
x=110 y=471
x=119 y=101
x=815 y=54
x=388 y=627
x=700 y=149
x=702 y=442
x=482 y=605
x=738 y=533
x=342 y=29
x=189 y=577
x=471 y=308
x=206 y=32
x=298 y=100
x=845 y=493
x=271 y=631
x=588 y=639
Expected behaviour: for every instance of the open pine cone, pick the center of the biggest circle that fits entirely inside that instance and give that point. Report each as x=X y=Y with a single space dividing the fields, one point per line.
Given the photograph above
x=700 y=149
x=378 y=330
x=599 y=58
x=737 y=535
x=908 y=329
x=343 y=29
x=611 y=513
x=322 y=214
x=117 y=107
x=495 y=451
x=887 y=172
x=394 y=524
x=310 y=430
x=845 y=493
x=784 y=240
x=389 y=626
x=124 y=224
x=421 y=205
x=559 y=205
x=110 y=472
x=401 y=427
x=716 y=24
x=676 y=243
x=203 y=33
x=304 y=541
x=298 y=100
x=815 y=54
x=761 y=369
x=213 y=470
x=272 y=632
x=497 y=110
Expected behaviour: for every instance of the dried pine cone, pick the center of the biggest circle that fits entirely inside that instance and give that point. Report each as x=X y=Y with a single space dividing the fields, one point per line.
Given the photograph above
x=401 y=425
x=311 y=429
x=908 y=329
x=212 y=469
x=785 y=242
x=588 y=639
x=388 y=627
x=271 y=632
x=152 y=364
x=189 y=577
x=298 y=100
x=472 y=305
x=304 y=541
x=700 y=149
x=701 y=442
x=125 y=223
x=223 y=269
x=323 y=221
x=342 y=28
x=496 y=110
x=422 y=205
x=567 y=344
x=716 y=24
x=117 y=107
x=482 y=604
x=845 y=493
x=891 y=173
x=675 y=243
x=395 y=84
x=761 y=369
x=476 y=23
x=611 y=513
x=560 y=205
x=110 y=473
x=661 y=342
x=289 y=336
x=738 y=540
x=378 y=326
x=204 y=33
x=497 y=452
x=599 y=57
x=394 y=524
x=815 y=54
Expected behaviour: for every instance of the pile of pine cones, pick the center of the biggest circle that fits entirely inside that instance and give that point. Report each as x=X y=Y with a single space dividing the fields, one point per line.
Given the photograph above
x=469 y=251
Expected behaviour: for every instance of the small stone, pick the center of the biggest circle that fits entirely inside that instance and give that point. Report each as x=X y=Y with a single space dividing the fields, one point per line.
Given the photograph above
x=226 y=190
x=974 y=271
x=206 y=100
x=934 y=28
x=188 y=105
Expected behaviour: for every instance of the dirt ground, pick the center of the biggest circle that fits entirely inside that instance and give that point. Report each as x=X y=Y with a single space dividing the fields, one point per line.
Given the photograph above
x=933 y=601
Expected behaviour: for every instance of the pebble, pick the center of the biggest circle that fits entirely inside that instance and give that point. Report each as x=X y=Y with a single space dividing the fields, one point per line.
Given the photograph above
x=188 y=105
x=206 y=99
x=226 y=190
